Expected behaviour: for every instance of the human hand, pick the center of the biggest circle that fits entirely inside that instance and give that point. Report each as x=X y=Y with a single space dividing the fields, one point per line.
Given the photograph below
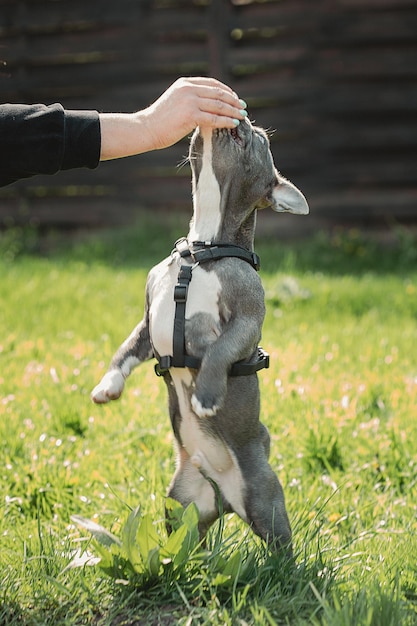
x=191 y=102
x=187 y=103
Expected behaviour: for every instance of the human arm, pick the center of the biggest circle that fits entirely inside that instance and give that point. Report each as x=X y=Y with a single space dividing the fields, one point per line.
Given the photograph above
x=39 y=139
x=187 y=103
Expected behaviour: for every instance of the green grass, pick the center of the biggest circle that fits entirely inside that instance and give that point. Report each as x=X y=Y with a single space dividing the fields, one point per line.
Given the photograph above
x=340 y=401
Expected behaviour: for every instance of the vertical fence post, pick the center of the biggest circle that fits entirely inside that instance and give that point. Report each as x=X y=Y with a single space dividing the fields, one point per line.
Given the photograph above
x=218 y=39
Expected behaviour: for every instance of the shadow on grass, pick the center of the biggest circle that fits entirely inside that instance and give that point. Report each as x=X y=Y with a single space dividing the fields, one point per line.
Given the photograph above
x=269 y=590
x=11 y=613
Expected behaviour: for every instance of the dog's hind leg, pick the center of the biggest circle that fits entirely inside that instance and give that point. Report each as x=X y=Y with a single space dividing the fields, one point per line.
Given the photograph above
x=189 y=485
x=267 y=514
x=264 y=499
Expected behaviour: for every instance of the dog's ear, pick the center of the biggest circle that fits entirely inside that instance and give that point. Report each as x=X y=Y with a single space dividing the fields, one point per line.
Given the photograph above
x=287 y=198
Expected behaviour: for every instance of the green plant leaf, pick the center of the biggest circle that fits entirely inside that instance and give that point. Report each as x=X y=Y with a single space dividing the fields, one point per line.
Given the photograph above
x=175 y=541
x=147 y=538
x=218 y=563
x=190 y=517
x=154 y=561
x=101 y=534
x=185 y=538
x=228 y=571
x=233 y=566
x=220 y=579
x=174 y=512
x=111 y=560
x=81 y=558
x=192 y=538
x=129 y=534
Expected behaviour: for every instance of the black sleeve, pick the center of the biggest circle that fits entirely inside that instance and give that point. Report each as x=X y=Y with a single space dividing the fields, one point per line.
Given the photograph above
x=39 y=139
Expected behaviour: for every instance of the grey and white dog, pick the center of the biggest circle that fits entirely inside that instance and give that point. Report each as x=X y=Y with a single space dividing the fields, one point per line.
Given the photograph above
x=215 y=415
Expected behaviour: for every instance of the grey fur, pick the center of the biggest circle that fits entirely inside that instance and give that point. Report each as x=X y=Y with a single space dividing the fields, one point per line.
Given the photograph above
x=215 y=417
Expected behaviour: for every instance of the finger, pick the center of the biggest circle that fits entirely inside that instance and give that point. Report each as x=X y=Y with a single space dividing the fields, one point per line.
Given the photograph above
x=220 y=94
x=217 y=121
x=212 y=83
x=222 y=108
x=213 y=89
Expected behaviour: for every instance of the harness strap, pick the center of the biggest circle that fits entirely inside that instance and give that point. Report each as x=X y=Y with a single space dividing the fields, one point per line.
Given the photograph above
x=240 y=368
x=180 y=297
x=201 y=252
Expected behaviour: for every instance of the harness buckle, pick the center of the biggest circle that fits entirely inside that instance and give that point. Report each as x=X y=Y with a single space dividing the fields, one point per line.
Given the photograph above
x=182 y=247
x=163 y=365
x=180 y=292
x=256 y=261
x=263 y=357
x=184 y=279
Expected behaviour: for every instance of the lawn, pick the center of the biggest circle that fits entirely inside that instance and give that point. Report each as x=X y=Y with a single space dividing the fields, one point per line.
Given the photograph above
x=340 y=401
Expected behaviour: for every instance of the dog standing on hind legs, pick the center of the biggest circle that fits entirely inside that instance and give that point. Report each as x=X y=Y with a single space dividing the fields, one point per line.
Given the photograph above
x=203 y=318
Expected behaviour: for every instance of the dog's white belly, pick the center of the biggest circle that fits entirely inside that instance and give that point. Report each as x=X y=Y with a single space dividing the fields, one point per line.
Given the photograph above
x=203 y=297
x=209 y=455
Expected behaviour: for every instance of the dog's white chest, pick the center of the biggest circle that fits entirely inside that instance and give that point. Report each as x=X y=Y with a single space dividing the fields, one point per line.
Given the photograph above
x=203 y=297
x=203 y=294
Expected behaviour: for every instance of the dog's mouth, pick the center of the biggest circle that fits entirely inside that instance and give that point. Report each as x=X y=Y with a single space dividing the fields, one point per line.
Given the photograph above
x=234 y=133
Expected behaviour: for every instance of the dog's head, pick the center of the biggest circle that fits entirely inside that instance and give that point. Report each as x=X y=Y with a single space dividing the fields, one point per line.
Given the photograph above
x=234 y=170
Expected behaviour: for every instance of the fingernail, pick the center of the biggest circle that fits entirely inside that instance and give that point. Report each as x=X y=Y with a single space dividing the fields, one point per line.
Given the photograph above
x=243 y=104
x=243 y=112
x=236 y=122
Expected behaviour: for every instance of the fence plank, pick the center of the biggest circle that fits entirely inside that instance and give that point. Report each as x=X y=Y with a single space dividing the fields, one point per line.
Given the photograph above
x=336 y=81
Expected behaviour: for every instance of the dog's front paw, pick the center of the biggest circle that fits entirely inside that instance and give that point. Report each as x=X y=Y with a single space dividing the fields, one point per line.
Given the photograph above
x=109 y=388
x=201 y=410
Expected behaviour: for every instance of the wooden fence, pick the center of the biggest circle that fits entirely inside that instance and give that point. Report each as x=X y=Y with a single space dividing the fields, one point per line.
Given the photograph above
x=335 y=79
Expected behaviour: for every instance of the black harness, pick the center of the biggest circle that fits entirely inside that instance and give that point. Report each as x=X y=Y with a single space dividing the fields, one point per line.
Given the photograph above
x=202 y=252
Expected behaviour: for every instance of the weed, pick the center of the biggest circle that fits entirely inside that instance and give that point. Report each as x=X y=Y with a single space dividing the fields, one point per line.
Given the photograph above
x=322 y=452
